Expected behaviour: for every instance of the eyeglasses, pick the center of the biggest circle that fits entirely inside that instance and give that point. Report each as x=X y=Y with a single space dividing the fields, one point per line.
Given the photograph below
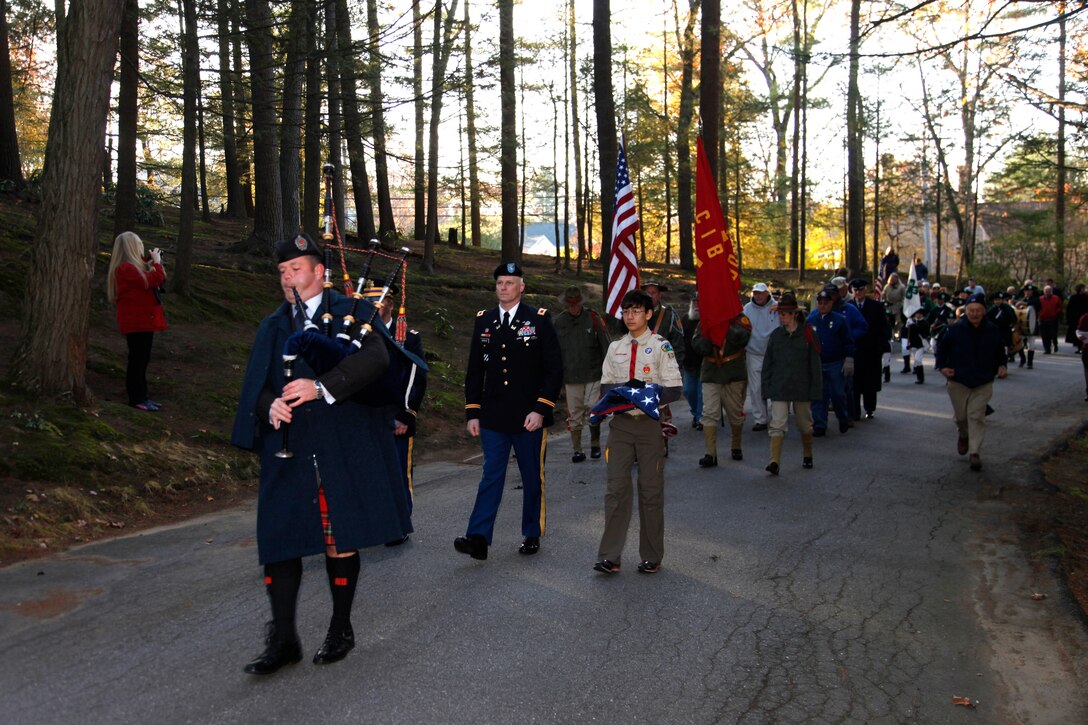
x=634 y=311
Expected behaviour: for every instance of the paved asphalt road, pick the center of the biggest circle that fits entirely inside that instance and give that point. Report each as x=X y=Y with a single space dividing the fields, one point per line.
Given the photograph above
x=871 y=589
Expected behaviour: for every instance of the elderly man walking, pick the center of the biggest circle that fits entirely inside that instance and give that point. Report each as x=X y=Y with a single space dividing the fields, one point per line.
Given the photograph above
x=970 y=356
x=762 y=312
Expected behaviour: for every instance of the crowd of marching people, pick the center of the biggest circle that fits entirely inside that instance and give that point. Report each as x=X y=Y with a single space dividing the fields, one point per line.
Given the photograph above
x=343 y=480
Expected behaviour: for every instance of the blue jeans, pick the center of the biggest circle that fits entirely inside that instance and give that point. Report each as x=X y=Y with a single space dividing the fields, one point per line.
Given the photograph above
x=693 y=391
x=835 y=392
x=530 y=449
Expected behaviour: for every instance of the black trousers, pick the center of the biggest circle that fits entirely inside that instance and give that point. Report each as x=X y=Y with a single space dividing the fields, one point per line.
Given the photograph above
x=1048 y=330
x=139 y=355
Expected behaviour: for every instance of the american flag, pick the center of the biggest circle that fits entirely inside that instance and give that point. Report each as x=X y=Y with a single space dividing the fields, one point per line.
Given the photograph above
x=623 y=262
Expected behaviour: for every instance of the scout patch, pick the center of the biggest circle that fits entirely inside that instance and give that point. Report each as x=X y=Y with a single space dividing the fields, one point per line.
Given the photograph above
x=665 y=347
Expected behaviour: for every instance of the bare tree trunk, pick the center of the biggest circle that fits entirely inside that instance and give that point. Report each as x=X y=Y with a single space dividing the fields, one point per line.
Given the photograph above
x=231 y=171
x=524 y=161
x=555 y=177
x=268 y=200
x=294 y=73
x=795 y=201
x=181 y=279
x=353 y=131
x=51 y=357
x=579 y=203
x=665 y=146
x=803 y=240
x=685 y=208
x=508 y=153
x=606 y=123
x=876 y=195
x=242 y=106
x=311 y=152
x=443 y=47
x=336 y=139
x=566 y=157
x=124 y=210
x=205 y=212
x=855 y=162
x=1059 y=199
x=11 y=168
x=419 y=177
x=387 y=227
x=470 y=130
x=710 y=80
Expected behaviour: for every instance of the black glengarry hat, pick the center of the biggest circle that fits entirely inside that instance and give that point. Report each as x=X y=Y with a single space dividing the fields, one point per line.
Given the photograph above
x=298 y=246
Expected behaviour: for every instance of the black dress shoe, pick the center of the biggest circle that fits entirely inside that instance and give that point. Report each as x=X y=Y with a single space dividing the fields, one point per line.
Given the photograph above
x=474 y=545
x=737 y=454
x=819 y=432
x=338 y=642
x=708 y=461
x=844 y=425
x=398 y=542
x=578 y=457
x=280 y=649
x=595 y=452
x=530 y=546
x=759 y=427
x=772 y=468
x=806 y=462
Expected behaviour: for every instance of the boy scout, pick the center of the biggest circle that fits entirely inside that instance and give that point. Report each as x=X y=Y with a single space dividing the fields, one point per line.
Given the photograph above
x=638 y=358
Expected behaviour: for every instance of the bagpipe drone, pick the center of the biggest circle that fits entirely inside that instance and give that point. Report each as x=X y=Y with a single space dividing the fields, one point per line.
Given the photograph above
x=322 y=351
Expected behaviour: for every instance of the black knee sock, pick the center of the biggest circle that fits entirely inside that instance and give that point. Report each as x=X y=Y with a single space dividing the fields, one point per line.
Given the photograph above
x=282 y=580
x=343 y=577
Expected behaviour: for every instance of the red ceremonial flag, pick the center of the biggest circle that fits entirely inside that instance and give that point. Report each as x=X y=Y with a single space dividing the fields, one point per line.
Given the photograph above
x=716 y=273
x=622 y=260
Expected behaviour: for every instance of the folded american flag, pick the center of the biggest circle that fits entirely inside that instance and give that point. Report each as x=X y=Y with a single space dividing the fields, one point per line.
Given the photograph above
x=623 y=399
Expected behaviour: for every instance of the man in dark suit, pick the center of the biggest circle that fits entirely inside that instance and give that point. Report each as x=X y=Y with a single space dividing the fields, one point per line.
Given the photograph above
x=340 y=491
x=515 y=369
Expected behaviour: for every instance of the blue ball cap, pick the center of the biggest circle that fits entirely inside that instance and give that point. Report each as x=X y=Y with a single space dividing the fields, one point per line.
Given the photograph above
x=977 y=299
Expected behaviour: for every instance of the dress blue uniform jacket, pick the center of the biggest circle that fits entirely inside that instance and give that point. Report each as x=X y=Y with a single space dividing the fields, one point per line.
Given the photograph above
x=414 y=386
x=514 y=370
x=836 y=343
x=349 y=444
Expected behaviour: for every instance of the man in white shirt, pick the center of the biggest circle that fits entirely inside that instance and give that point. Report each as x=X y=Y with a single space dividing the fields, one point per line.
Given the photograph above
x=762 y=311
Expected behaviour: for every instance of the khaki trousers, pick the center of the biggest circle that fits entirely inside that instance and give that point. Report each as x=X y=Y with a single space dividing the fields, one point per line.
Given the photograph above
x=780 y=413
x=634 y=440
x=969 y=410
x=724 y=395
x=581 y=397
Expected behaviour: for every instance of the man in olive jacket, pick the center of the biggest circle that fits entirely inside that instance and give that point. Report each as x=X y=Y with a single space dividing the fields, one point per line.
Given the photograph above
x=724 y=377
x=583 y=341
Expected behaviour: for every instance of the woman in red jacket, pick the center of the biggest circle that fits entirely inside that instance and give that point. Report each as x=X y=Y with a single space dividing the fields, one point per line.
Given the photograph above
x=133 y=282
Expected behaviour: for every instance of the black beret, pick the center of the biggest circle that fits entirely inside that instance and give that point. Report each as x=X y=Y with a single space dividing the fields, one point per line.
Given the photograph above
x=299 y=246
x=508 y=269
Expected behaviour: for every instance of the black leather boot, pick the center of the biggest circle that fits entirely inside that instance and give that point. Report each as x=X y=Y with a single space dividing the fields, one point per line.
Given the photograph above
x=906 y=365
x=1031 y=359
x=282 y=647
x=920 y=373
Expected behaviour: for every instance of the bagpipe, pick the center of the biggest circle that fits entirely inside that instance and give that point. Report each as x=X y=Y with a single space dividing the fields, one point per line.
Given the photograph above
x=322 y=351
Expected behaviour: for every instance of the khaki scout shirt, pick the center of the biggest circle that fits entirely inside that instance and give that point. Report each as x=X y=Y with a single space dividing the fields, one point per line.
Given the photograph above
x=655 y=362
